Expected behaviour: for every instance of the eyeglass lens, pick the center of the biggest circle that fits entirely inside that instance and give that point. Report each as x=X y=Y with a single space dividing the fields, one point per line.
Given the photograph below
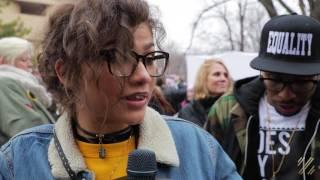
x=296 y=86
x=154 y=62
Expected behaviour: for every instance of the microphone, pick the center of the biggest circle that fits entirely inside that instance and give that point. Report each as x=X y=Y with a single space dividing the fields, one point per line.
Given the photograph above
x=142 y=165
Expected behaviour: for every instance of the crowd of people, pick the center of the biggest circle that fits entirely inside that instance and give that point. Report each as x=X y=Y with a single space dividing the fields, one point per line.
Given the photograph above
x=98 y=92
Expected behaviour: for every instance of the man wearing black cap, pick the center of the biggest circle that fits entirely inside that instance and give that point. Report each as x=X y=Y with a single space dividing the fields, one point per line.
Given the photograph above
x=269 y=125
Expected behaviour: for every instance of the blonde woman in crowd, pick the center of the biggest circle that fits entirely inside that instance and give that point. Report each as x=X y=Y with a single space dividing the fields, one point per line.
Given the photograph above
x=23 y=100
x=212 y=80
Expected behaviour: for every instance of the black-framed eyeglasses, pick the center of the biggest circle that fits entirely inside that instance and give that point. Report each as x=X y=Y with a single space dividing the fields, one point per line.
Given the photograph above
x=121 y=65
x=296 y=85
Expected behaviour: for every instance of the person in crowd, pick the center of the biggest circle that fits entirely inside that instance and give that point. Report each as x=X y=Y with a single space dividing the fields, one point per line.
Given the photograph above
x=189 y=98
x=100 y=59
x=269 y=125
x=174 y=91
x=159 y=103
x=23 y=100
x=212 y=80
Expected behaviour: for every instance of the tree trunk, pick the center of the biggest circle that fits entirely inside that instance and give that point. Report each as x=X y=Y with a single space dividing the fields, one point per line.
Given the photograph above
x=302 y=7
x=283 y=4
x=242 y=13
x=268 y=5
x=196 y=22
x=314 y=9
x=223 y=16
x=313 y=4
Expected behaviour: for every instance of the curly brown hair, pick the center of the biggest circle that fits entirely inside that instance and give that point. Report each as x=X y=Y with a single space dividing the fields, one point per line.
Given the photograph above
x=78 y=32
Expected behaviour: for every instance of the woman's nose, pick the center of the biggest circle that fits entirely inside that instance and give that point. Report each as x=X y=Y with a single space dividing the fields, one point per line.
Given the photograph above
x=141 y=73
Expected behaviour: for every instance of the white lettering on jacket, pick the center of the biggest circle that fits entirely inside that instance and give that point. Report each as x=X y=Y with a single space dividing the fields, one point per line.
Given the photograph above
x=289 y=43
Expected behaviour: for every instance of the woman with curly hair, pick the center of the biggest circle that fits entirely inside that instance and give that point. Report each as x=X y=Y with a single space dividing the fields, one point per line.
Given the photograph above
x=100 y=61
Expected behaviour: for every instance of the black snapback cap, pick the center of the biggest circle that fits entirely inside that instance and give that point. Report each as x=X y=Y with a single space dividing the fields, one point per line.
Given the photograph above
x=290 y=44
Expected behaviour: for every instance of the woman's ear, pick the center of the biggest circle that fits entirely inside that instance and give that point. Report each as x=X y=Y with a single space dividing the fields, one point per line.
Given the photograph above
x=59 y=70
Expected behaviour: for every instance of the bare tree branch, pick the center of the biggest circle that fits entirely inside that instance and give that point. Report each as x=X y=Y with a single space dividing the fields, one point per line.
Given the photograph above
x=313 y=6
x=268 y=5
x=196 y=22
x=286 y=6
x=255 y=25
x=302 y=7
x=314 y=9
x=310 y=4
x=223 y=16
x=242 y=13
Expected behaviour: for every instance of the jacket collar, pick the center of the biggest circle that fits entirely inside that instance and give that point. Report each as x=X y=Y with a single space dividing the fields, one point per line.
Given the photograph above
x=248 y=92
x=27 y=81
x=154 y=135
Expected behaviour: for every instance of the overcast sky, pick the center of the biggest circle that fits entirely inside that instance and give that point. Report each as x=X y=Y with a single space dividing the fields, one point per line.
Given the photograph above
x=177 y=17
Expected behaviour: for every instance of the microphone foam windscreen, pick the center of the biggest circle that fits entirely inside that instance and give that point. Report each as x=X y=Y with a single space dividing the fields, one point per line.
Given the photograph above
x=142 y=163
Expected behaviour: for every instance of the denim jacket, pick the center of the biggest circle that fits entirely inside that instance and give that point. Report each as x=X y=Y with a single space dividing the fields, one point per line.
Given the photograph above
x=183 y=151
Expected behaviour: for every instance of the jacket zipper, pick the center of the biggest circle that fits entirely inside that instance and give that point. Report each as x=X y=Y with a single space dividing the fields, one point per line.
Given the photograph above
x=308 y=146
x=246 y=146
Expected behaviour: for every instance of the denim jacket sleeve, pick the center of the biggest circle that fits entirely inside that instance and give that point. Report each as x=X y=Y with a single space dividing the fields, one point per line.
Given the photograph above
x=24 y=156
x=224 y=166
x=200 y=154
x=4 y=169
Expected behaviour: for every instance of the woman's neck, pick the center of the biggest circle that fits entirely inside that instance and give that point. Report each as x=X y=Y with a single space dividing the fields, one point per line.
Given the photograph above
x=98 y=125
x=99 y=138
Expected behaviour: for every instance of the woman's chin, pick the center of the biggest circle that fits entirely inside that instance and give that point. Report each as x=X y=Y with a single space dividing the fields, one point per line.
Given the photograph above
x=135 y=117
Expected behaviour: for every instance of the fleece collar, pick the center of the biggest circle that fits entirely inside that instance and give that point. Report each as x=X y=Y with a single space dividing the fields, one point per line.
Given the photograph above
x=154 y=134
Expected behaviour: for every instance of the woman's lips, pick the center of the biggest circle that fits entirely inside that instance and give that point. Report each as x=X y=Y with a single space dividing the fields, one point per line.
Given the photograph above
x=137 y=100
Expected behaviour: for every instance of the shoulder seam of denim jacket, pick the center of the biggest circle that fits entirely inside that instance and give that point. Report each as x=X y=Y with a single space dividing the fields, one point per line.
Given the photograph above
x=171 y=118
x=42 y=129
x=206 y=134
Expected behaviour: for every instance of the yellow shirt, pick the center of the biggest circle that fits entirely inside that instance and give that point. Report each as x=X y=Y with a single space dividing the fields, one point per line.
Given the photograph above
x=114 y=165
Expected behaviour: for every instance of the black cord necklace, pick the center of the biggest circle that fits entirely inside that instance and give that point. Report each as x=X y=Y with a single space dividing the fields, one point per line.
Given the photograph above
x=97 y=138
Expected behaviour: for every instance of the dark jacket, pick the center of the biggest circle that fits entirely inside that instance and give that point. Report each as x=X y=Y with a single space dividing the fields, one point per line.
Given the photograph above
x=175 y=96
x=197 y=110
x=235 y=118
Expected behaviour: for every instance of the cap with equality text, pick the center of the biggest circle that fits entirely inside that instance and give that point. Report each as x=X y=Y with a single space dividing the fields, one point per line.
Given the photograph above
x=290 y=44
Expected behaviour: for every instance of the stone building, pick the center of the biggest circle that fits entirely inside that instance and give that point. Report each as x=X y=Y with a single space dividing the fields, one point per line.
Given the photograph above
x=33 y=14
